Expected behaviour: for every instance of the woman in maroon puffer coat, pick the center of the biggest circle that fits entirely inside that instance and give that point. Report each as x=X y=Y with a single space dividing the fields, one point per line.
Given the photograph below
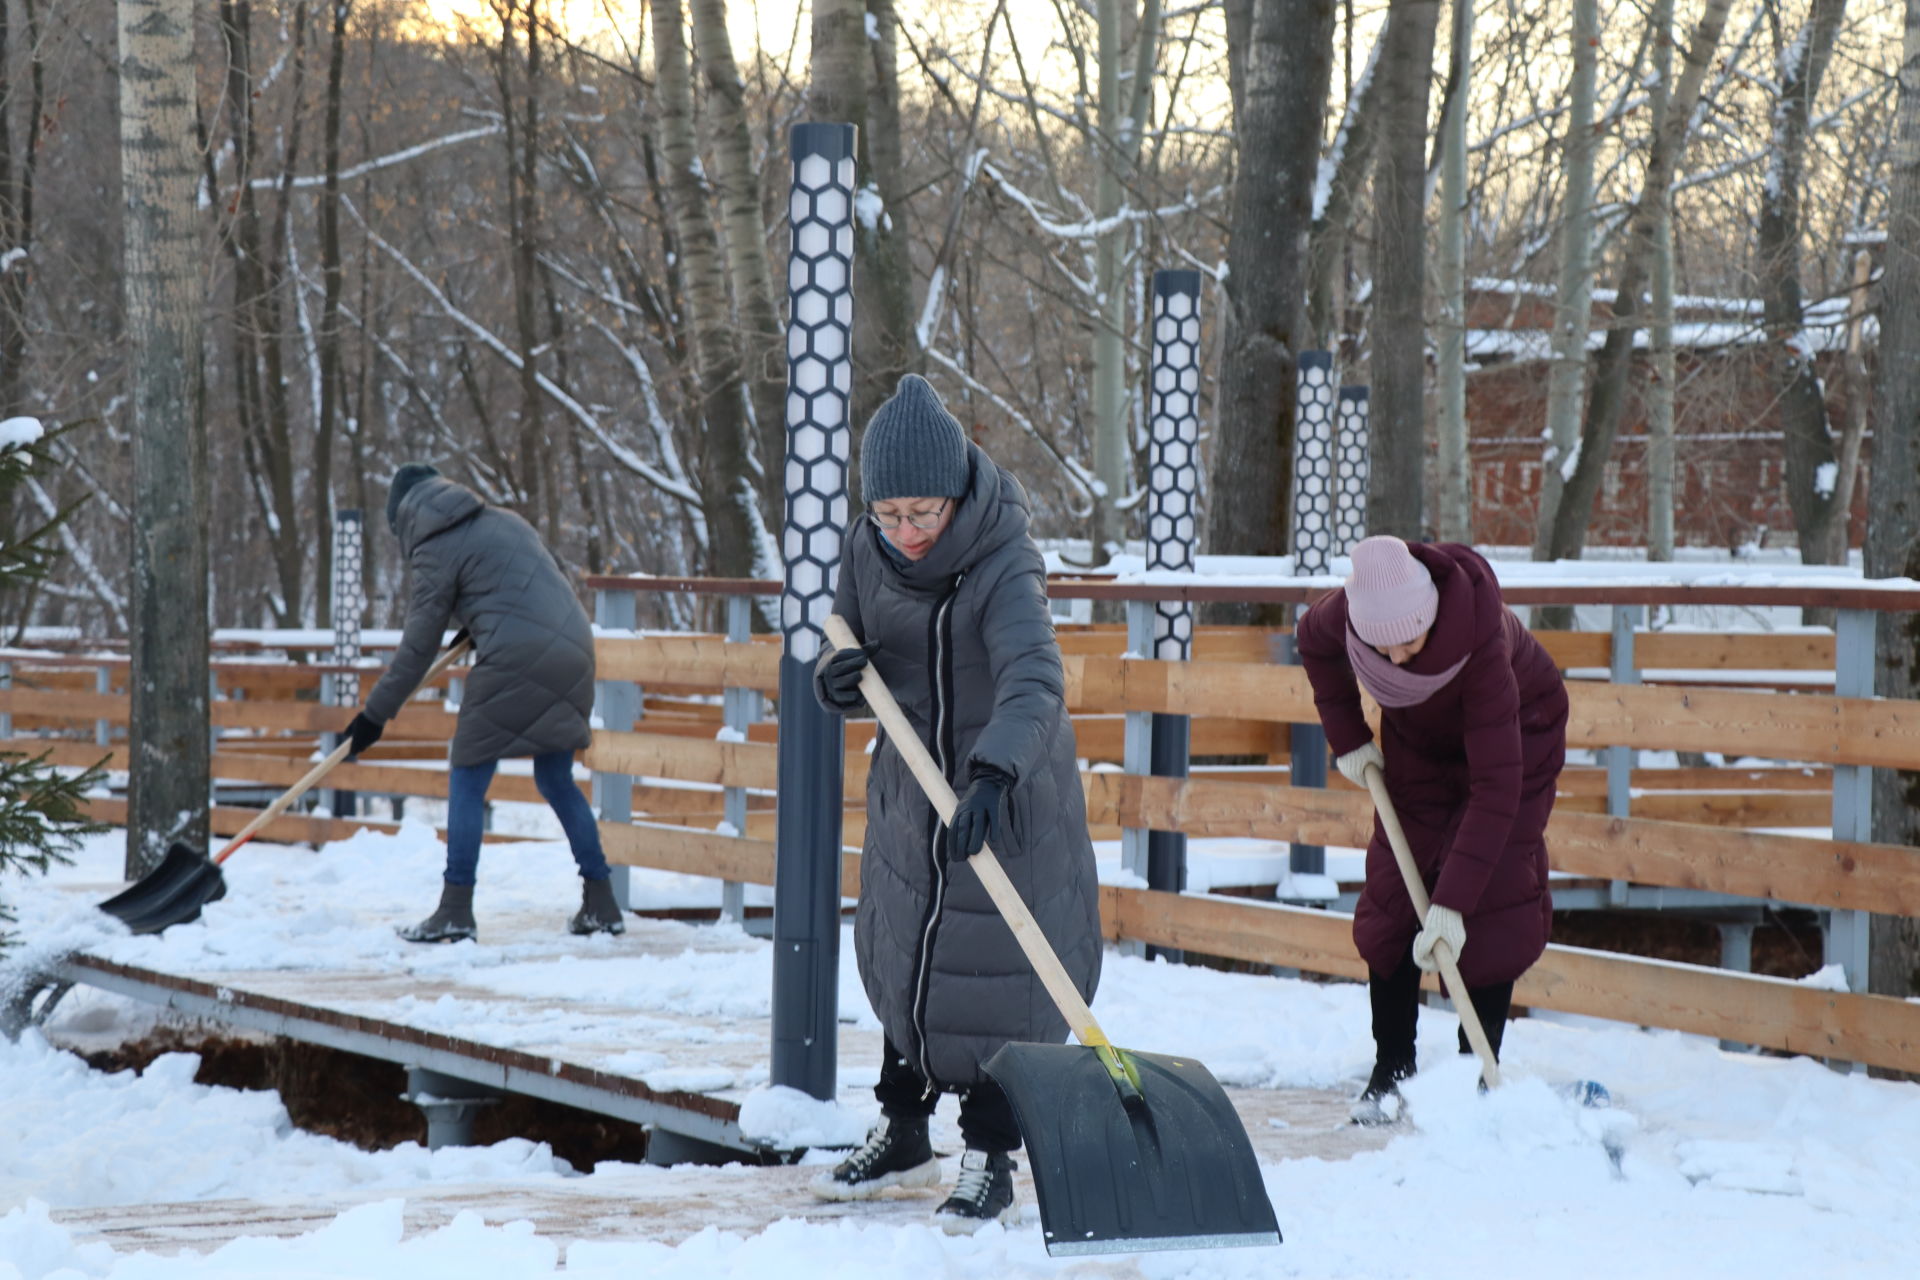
x=1473 y=734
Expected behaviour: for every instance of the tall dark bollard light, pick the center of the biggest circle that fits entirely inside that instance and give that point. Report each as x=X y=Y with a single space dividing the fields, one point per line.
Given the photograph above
x=1173 y=492
x=349 y=599
x=806 y=890
x=1314 y=485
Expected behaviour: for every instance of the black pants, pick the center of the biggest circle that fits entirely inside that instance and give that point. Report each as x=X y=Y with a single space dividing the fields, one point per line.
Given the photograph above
x=1396 y=1013
x=986 y=1117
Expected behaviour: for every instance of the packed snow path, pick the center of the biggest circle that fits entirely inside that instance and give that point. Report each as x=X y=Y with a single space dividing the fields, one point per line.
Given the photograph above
x=1727 y=1164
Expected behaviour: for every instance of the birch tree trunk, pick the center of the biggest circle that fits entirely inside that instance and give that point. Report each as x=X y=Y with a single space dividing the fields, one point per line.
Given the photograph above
x=168 y=777
x=1893 y=531
x=758 y=330
x=1606 y=406
x=1286 y=64
x=1453 y=505
x=729 y=499
x=1396 y=499
x=1810 y=461
x=1122 y=121
x=1573 y=307
x=1660 y=381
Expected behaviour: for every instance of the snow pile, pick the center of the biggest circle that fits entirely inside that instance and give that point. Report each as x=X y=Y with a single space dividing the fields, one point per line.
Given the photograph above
x=1709 y=1163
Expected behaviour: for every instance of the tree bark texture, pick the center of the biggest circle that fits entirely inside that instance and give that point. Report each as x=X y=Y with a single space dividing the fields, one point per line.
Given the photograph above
x=1573 y=309
x=1453 y=489
x=168 y=776
x=1803 y=404
x=855 y=81
x=1893 y=531
x=763 y=356
x=729 y=498
x=1398 y=361
x=1606 y=406
x=1662 y=371
x=327 y=340
x=1288 y=63
x=17 y=174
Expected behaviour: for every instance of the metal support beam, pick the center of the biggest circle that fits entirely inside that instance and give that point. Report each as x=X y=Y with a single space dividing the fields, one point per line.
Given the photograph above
x=450 y=1105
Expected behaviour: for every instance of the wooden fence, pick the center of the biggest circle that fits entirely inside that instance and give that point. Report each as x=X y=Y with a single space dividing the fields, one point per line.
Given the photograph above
x=681 y=760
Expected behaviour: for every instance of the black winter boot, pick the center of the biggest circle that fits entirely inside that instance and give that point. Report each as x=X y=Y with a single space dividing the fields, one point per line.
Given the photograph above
x=452 y=922
x=983 y=1193
x=1380 y=1103
x=895 y=1154
x=598 y=912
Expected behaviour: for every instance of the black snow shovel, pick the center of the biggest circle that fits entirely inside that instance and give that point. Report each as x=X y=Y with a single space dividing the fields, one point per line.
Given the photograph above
x=1129 y=1151
x=1442 y=953
x=187 y=880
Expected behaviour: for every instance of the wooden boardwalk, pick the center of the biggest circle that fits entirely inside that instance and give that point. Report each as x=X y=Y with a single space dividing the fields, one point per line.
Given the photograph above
x=620 y=1051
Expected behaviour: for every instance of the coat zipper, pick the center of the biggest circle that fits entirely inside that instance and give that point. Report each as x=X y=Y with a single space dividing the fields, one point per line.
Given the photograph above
x=940 y=671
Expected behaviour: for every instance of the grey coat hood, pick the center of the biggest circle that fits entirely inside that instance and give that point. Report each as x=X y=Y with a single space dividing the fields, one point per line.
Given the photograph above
x=966 y=645
x=483 y=568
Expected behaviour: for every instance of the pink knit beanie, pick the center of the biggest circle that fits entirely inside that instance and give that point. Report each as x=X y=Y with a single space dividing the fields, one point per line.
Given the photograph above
x=1391 y=598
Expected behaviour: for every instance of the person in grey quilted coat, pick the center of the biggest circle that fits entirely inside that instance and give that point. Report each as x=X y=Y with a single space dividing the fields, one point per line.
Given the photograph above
x=485 y=571
x=946 y=589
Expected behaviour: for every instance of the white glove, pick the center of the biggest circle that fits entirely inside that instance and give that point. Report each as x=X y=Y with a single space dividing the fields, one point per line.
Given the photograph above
x=1354 y=763
x=1444 y=924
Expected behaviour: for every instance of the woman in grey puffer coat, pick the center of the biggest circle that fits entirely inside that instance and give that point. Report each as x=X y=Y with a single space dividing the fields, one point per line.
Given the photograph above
x=530 y=693
x=946 y=589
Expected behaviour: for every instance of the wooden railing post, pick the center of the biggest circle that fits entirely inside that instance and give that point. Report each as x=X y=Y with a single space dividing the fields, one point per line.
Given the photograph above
x=618 y=705
x=102 y=683
x=1620 y=760
x=740 y=708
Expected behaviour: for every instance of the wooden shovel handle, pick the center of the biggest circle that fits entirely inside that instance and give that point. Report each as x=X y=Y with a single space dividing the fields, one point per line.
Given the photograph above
x=321 y=770
x=1442 y=952
x=1026 y=930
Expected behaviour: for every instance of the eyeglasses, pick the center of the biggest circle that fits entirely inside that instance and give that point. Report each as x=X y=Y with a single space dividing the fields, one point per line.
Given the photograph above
x=920 y=520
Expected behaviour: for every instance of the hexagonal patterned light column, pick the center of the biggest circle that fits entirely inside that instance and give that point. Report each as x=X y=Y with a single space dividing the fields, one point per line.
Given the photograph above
x=1350 y=431
x=806 y=892
x=1313 y=479
x=1313 y=498
x=1173 y=493
x=349 y=598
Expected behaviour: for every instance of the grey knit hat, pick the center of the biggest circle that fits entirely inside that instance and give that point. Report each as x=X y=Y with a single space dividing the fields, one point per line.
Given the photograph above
x=913 y=447
x=403 y=481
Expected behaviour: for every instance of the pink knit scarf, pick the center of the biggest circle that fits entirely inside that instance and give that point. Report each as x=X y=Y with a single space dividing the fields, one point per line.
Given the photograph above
x=1393 y=686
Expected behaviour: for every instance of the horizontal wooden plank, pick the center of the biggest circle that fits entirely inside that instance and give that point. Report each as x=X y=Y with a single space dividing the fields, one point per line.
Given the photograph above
x=705 y=853
x=289 y=828
x=1772 y=1012
x=698 y=661
x=688 y=759
x=1848 y=875
x=1815 y=727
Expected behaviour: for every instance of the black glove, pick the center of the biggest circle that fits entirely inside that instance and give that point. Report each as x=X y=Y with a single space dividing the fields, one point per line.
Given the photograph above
x=976 y=819
x=363 y=732
x=460 y=637
x=838 y=687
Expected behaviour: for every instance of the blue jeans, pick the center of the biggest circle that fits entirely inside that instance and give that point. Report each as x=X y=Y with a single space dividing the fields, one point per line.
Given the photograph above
x=553 y=774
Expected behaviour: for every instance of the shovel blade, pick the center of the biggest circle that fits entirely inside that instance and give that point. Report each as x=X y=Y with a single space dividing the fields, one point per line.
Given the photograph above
x=172 y=893
x=1175 y=1173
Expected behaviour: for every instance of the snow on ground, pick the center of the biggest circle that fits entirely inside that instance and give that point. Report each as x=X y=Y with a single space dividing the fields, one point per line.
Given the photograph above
x=1727 y=1164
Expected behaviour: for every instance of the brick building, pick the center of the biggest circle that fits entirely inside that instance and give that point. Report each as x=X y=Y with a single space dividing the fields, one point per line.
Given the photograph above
x=1730 y=466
